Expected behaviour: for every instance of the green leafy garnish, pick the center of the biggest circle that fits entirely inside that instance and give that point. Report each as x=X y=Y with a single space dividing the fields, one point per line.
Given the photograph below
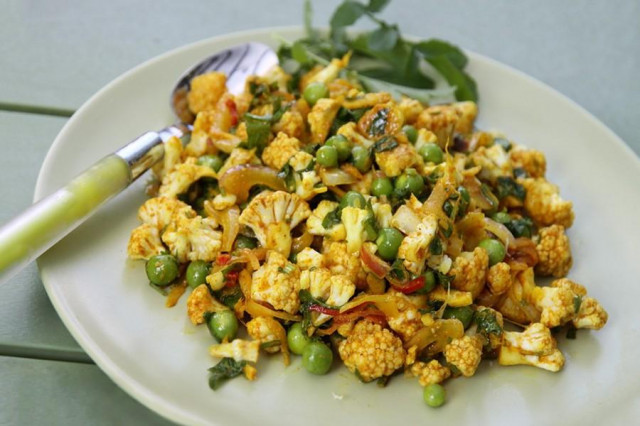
x=287 y=174
x=487 y=322
x=258 y=130
x=385 y=143
x=332 y=218
x=435 y=247
x=379 y=122
x=506 y=186
x=271 y=344
x=577 y=301
x=229 y=296
x=522 y=227
x=226 y=369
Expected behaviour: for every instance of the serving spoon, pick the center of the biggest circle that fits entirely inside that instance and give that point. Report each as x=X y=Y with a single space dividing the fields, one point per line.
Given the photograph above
x=49 y=220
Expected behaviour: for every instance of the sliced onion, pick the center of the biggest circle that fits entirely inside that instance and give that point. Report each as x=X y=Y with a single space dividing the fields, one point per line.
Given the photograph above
x=373 y=263
x=385 y=302
x=500 y=231
x=335 y=177
x=238 y=180
x=255 y=309
x=302 y=242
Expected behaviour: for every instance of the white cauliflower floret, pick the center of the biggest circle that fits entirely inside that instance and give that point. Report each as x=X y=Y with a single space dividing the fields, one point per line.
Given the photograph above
x=410 y=109
x=340 y=261
x=353 y=220
x=280 y=150
x=238 y=349
x=144 y=242
x=161 y=211
x=494 y=162
x=350 y=131
x=199 y=302
x=470 y=270
x=532 y=161
x=178 y=180
x=334 y=290
x=408 y=321
x=590 y=315
x=544 y=205
x=266 y=330
x=223 y=201
x=465 y=353
x=383 y=213
x=554 y=251
x=307 y=185
x=272 y=216
x=277 y=282
x=300 y=161
x=499 y=278
x=372 y=351
x=321 y=118
x=534 y=346
x=309 y=258
x=430 y=373
x=191 y=239
x=291 y=123
x=555 y=303
x=394 y=161
x=337 y=232
x=414 y=248
x=205 y=90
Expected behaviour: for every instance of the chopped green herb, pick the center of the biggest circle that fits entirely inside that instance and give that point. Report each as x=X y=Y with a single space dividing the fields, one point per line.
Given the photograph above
x=487 y=322
x=507 y=186
x=226 y=369
x=520 y=227
x=287 y=174
x=332 y=218
x=271 y=344
x=258 y=130
x=577 y=301
x=385 y=143
x=379 y=122
x=435 y=247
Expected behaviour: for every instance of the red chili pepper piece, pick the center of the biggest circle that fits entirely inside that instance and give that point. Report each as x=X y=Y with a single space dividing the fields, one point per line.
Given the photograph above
x=233 y=111
x=232 y=278
x=411 y=286
x=324 y=310
x=223 y=259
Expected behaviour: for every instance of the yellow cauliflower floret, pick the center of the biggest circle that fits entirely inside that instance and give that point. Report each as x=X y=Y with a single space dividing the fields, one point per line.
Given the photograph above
x=499 y=278
x=280 y=150
x=239 y=156
x=408 y=321
x=410 y=109
x=470 y=270
x=464 y=353
x=223 y=201
x=278 y=76
x=330 y=72
x=444 y=119
x=205 y=91
x=178 y=180
x=590 y=315
x=341 y=261
x=353 y=220
x=494 y=162
x=272 y=216
x=556 y=305
x=534 y=346
x=544 y=205
x=554 y=252
x=532 y=161
x=200 y=302
x=238 y=349
x=336 y=232
x=414 y=248
x=309 y=258
x=430 y=373
x=144 y=242
x=321 y=118
x=300 y=161
x=265 y=330
x=191 y=239
x=334 y=290
x=350 y=131
x=291 y=123
x=356 y=99
x=394 y=161
x=371 y=350
x=172 y=157
x=308 y=185
x=160 y=211
x=277 y=282
x=453 y=298
x=383 y=213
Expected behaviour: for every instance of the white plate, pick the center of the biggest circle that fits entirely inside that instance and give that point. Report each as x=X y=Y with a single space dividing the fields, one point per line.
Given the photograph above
x=155 y=355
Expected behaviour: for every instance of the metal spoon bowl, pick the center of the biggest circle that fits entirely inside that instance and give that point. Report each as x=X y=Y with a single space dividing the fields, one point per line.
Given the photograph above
x=46 y=222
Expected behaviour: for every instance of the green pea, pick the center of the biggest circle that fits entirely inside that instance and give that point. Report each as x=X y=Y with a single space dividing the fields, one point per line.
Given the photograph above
x=342 y=145
x=315 y=91
x=429 y=282
x=197 y=271
x=388 y=242
x=501 y=217
x=244 y=242
x=411 y=133
x=297 y=339
x=464 y=314
x=327 y=156
x=223 y=325
x=214 y=162
x=317 y=358
x=431 y=153
x=353 y=199
x=162 y=269
x=434 y=395
x=382 y=186
x=361 y=158
x=409 y=182
x=495 y=250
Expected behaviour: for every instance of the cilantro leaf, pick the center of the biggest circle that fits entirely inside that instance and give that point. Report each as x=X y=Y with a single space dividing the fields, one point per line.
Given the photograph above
x=226 y=369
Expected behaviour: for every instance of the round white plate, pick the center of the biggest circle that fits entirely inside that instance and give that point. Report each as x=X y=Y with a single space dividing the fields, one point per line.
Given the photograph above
x=155 y=355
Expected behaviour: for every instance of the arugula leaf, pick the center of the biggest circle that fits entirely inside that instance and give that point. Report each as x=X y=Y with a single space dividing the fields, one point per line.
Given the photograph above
x=226 y=369
x=377 y=5
x=347 y=14
x=384 y=38
x=466 y=89
x=434 y=48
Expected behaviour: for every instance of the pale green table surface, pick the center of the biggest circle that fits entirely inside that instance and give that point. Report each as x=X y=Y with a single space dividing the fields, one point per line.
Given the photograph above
x=57 y=53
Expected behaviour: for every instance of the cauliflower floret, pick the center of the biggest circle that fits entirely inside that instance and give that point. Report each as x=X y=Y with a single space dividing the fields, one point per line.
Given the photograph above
x=464 y=353
x=453 y=298
x=357 y=99
x=329 y=73
x=278 y=76
x=272 y=216
x=341 y=261
x=321 y=118
x=499 y=278
x=444 y=119
x=430 y=373
x=353 y=220
x=555 y=303
x=408 y=321
x=350 y=131
x=307 y=185
x=144 y=242
x=383 y=213
x=172 y=157
x=394 y=161
x=265 y=330
x=532 y=161
x=470 y=270
x=238 y=157
x=337 y=232
x=205 y=91
x=414 y=248
x=309 y=258
x=238 y=349
x=178 y=180
x=300 y=161
x=372 y=351
x=534 y=346
x=223 y=201
x=554 y=252
x=515 y=304
x=199 y=302
x=291 y=123
x=191 y=239
x=590 y=315
x=277 y=282
x=544 y=205
x=494 y=162
x=280 y=150
x=334 y=290
x=161 y=211
x=410 y=109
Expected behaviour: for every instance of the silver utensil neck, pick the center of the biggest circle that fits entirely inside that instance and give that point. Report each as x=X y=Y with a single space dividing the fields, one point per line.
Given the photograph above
x=148 y=148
